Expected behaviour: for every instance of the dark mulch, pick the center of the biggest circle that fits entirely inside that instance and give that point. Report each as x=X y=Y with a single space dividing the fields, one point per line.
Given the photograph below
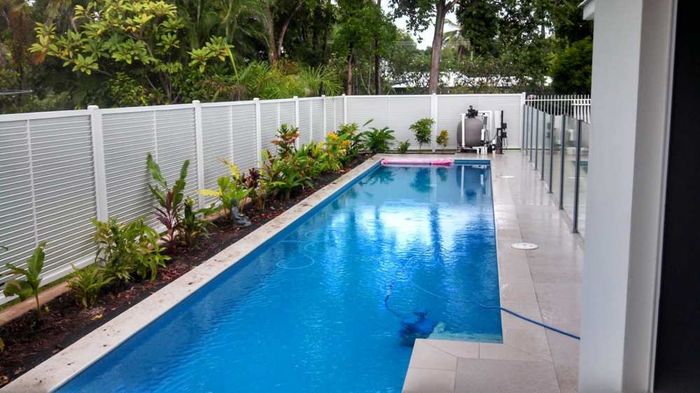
x=28 y=343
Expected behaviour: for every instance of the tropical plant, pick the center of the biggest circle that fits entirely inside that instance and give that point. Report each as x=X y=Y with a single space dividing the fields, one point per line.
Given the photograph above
x=193 y=225
x=87 y=283
x=286 y=140
x=251 y=181
x=421 y=130
x=403 y=146
x=351 y=132
x=281 y=176
x=28 y=285
x=378 y=140
x=170 y=200
x=230 y=192
x=443 y=139
x=127 y=249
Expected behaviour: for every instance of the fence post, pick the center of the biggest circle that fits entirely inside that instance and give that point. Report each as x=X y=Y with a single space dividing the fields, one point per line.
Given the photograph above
x=296 y=118
x=325 y=124
x=522 y=121
x=98 y=159
x=537 y=134
x=345 y=109
x=258 y=132
x=434 y=116
x=551 y=152
x=230 y=119
x=199 y=146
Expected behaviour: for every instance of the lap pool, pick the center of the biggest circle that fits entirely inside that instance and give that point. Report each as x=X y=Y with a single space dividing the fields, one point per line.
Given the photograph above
x=332 y=303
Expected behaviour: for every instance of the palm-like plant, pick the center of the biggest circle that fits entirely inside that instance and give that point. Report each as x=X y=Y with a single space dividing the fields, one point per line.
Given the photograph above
x=421 y=130
x=30 y=278
x=378 y=140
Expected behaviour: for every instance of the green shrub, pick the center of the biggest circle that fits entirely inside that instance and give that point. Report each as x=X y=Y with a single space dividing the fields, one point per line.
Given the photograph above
x=87 y=283
x=378 y=140
x=443 y=139
x=286 y=140
x=28 y=285
x=193 y=225
x=421 y=131
x=127 y=249
x=283 y=176
x=170 y=200
x=230 y=192
x=403 y=147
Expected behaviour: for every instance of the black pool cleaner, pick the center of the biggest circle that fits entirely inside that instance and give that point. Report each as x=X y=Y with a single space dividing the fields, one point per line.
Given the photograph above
x=417 y=325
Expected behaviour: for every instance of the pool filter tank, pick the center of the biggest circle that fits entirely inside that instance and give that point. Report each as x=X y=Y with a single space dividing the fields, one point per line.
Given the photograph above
x=469 y=133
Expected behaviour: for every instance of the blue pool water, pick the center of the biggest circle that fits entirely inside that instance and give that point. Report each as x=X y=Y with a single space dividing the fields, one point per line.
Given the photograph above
x=306 y=312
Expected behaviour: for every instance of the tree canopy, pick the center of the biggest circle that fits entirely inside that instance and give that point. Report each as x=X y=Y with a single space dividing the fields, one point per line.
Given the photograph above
x=71 y=53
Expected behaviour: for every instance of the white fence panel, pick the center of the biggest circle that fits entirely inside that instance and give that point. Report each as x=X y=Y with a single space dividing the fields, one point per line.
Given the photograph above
x=305 y=120
x=17 y=224
x=128 y=137
x=404 y=111
x=244 y=149
x=269 y=120
x=319 y=129
x=217 y=138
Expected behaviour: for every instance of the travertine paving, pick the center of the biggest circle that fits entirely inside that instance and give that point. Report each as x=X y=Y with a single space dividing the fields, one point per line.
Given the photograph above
x=542 y=284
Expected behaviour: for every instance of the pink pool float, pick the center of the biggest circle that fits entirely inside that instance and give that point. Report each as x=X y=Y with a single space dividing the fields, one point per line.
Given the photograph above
x=417 y=161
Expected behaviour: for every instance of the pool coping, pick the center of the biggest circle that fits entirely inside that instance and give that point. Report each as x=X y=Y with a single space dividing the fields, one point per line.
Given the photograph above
x=63 y=366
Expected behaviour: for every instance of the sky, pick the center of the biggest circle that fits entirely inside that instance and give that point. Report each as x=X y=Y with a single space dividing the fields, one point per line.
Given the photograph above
x=427 y=35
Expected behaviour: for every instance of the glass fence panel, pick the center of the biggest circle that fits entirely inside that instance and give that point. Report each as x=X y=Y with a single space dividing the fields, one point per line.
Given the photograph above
x=583 y=177
x=569 y=166
x=547 y=153
x=556 y=157
x=538 y=138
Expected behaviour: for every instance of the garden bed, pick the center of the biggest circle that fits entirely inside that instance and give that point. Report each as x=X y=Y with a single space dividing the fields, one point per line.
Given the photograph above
x=28 y=343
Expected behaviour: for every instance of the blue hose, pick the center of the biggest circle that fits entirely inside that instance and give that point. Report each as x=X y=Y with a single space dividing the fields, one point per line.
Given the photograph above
x=524 y=318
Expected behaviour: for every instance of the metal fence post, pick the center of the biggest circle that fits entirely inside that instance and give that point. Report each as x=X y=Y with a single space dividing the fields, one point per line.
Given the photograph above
x=258 y=132
x=561 y=172
x=345 y=109
x=199 y=146
x=98 y=159
x=578 y=174
x=529 y=138
x=434 y=116
x=296 y=118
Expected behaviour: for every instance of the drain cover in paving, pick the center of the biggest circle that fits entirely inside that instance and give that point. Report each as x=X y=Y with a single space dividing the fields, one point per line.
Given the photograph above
x=506 y=177
x=524 y=246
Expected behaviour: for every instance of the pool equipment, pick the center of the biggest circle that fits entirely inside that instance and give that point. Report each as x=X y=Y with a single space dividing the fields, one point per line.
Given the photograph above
x=470 y=129
x=481 y=130
x=414 y=326
x=417 y=162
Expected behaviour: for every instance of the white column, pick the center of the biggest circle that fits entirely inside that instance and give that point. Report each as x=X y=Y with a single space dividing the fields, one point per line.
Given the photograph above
x=523 y=96
x=98 y=159
x=199 y=146
x=296 y=118
x=258 y=132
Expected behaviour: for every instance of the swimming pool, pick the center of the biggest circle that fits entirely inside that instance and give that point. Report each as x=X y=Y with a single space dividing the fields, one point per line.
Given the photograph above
x=325 y=305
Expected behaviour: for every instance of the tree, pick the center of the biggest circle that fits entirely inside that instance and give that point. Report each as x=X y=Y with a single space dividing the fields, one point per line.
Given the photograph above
x=140 y=39
x=571 y=68
x=419 y=14
x=361 y=25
